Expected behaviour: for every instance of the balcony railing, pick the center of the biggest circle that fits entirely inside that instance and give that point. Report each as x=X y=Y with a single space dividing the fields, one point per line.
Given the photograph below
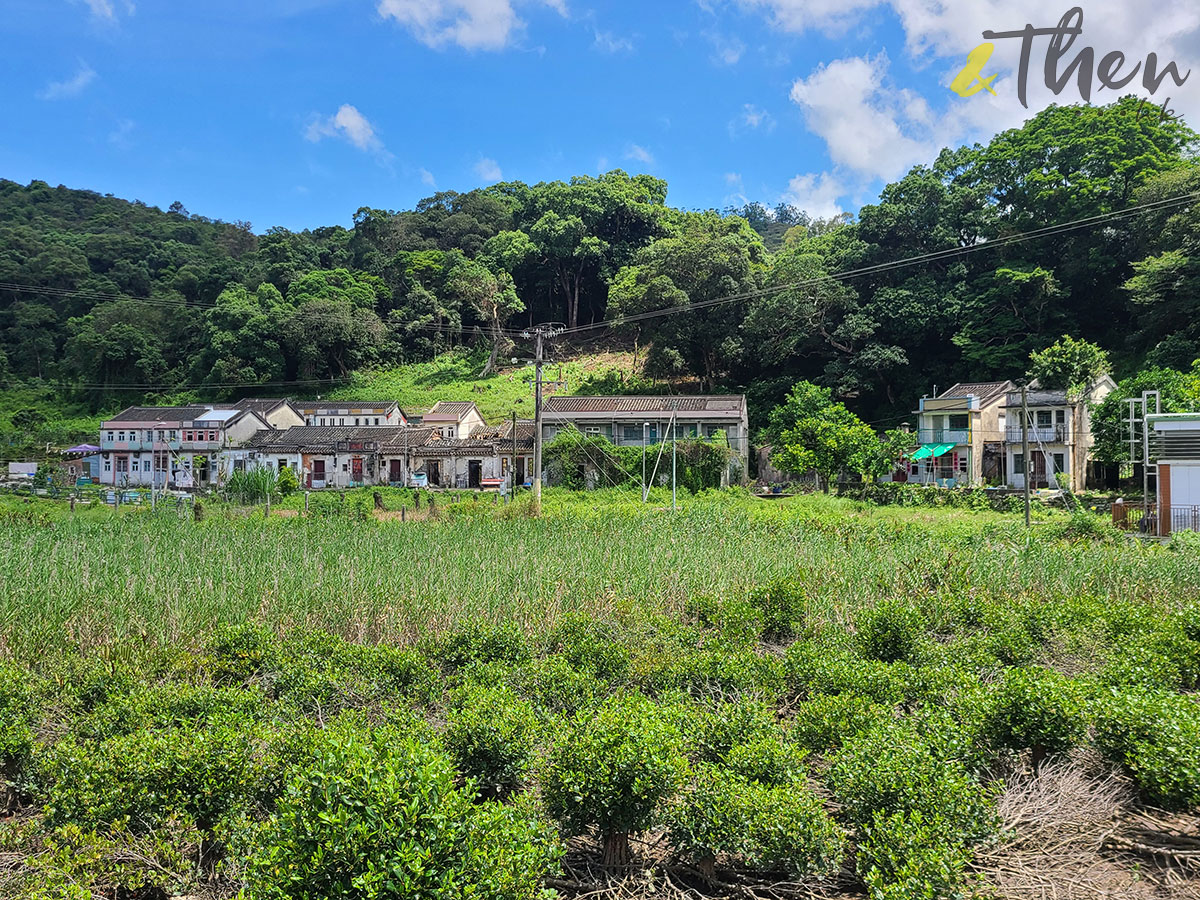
x=1046 y=434
x=140 y=445
x=944 y=436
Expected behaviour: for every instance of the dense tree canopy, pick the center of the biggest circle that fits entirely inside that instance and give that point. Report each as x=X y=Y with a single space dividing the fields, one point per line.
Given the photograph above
x=939 y=281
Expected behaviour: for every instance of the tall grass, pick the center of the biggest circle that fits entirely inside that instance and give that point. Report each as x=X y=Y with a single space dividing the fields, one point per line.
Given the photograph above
x=92 y=580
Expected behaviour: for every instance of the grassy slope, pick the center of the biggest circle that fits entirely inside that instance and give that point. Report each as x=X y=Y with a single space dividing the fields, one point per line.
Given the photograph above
x=452 y=376
x=455 y=377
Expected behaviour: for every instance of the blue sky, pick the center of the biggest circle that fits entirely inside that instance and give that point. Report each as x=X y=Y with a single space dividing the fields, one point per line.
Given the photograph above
x=297 y=113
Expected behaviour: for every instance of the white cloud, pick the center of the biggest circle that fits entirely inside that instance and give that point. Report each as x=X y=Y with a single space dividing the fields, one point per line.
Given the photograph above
x=105 y=11
x=608 y=42
x=865 y=122
x=727 y=49
x=816 y=194
x=489 y=170
x=347 y=123
x=640 y=154
x=120 y=135
x=829 y=16
x=427 y=177
x=471 y=24
x=70 y=87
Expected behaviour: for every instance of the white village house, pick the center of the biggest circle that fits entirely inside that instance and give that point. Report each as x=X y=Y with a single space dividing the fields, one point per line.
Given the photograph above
x=1060 y=434
x=961 y=436
x=1175 y=448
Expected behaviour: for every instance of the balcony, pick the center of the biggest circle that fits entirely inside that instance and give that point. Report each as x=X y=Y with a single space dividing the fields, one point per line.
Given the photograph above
x=1043 y=434
x=944 y=436
x=139 y=446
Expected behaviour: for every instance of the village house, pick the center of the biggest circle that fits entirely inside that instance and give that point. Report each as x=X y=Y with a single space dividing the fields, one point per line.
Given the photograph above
x=350 y=413
x=278 y=414
x=1175 y=448
x=171 y=445
x=642 y=421
x=961 y=436
x=513 y=440
x=1059 y=433
x=454 y=418
x=335 y=456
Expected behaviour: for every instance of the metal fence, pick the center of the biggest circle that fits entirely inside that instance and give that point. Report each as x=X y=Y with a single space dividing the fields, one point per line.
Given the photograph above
x=1185 y=518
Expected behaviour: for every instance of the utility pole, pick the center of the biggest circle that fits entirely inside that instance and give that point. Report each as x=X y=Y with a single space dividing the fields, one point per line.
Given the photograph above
x=512 y=469
x=1025 y=445
x=540 y=332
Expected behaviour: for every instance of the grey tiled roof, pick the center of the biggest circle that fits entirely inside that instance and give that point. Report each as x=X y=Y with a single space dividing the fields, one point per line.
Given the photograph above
x=159 y=414
x=721 y=404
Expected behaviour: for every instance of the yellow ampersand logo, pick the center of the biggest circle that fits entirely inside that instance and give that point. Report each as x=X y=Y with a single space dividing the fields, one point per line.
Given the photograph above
x=970 y=80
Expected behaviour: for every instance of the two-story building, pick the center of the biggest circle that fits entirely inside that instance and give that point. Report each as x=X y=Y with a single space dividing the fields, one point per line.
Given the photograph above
x=454 y=419
x=171 y=445
x=350 y=413
x=278 y=413
x=641 y=421
x=961 y=436
x=1059 y=434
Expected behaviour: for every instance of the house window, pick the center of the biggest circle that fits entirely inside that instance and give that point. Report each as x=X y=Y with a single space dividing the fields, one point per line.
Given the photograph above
x=187 y=435
x=631 y=433
x=145 y=465
x=120 y=436
x=174 y=434
x=122 y=464
x=1043 y=418
x=108 y=465
x=1060 y=417
x=377 y=420
x=1060 y=463
x=212 y=435
x=1018 y=464
x=958 y=422
x=593 y=430
x=239 y=465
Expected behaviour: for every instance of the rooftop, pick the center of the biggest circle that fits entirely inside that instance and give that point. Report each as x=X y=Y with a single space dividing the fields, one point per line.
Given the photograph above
x=986 y=391
x=726 y=405
x=450 y=411
x=154 y=414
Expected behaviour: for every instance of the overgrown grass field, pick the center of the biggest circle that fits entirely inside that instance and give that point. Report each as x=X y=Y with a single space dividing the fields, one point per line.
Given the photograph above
x=796 y=698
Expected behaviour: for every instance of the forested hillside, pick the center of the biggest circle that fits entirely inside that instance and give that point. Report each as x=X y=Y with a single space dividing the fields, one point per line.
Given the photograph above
x=108 y=300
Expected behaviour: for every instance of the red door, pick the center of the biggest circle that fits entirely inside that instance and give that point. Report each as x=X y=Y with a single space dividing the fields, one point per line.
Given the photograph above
x=356 y=470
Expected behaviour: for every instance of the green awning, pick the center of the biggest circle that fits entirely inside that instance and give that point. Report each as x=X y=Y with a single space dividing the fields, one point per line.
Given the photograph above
x=934 y=450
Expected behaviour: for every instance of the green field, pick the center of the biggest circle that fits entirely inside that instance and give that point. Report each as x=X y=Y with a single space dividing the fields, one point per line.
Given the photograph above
x=751 y=698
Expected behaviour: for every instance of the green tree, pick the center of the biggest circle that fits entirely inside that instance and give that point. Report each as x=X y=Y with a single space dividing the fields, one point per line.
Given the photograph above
x=1068 y=364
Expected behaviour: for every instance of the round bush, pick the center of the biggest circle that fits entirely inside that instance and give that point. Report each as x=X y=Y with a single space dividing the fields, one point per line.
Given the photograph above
x=775 y=828
x=377 y=816
x=612 y=768
x=1034 y=709
x=1155 y=736
x=491 y=733
x=893 y=631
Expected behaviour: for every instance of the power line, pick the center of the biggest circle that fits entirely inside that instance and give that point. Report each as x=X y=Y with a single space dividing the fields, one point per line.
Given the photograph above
x=934 y=256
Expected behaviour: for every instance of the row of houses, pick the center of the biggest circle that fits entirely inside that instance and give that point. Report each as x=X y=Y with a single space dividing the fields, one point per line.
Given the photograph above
x=351 y=443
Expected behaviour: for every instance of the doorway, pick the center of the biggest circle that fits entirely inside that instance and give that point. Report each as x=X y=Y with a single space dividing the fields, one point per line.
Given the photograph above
x=434 y=470
x=1039 y=470
x=395 y=471
x=520 y=470
x=356 y=470
x=475 y=473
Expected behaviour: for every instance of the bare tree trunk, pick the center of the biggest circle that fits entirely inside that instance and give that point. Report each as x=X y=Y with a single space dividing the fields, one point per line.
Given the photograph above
x=616 y=849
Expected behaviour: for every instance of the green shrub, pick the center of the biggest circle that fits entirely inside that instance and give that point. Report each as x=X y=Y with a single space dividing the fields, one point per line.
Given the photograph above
x=18 y=712
x=1034 y=709
x=892 y=631
x=377 y=815
x=287 y=483
x=1164 y=659
x=900 y=766
x=782 y=605
x=1155 y=736
x=592 y=647
x=476 y=644
x=612 y=768
x=769 y=760
x=826 y=721
x=491 y=734
x=816 y=667
x=202 y=775
x=714 y=731
x=773 y=828
x=238 y=653
x=908 y=856
x=554 y=686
